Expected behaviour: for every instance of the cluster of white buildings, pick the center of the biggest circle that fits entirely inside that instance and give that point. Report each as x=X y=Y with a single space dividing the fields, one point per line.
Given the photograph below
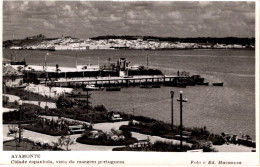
x=68 y=43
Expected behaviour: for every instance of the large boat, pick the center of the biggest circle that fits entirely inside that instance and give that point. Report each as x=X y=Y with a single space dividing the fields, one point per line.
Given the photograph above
x=217 y=83
x=92 y=87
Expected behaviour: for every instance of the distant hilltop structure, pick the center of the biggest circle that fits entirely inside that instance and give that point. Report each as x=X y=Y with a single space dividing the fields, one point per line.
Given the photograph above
x=40 y=42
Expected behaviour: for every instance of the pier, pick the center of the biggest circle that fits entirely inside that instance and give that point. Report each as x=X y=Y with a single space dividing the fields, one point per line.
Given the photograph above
x=118 y=81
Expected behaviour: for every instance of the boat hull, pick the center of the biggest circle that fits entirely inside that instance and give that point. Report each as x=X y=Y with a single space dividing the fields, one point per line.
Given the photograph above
x=218 y=84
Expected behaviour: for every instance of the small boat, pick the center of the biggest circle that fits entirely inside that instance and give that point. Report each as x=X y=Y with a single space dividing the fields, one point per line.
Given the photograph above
x=113 y=89
x=203 y=83
x=217 y=83
x=145 y=86
x=156 y=86
x=183 y=100
x=92 y=87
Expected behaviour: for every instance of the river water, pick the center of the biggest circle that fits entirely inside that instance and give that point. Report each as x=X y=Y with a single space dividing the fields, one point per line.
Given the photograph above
x=229 y=109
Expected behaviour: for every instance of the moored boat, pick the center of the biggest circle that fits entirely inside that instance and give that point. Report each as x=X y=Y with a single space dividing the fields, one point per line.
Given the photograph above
x=217 y=83
x=203 y=83
x=92 y=87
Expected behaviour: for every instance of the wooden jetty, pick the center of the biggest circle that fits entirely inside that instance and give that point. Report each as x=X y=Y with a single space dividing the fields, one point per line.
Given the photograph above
x=117 y=81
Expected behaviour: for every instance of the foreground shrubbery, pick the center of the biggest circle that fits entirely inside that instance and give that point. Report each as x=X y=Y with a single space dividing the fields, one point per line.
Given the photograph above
x=28 y=145
x=159 y=128
x=28 y=114
x=112 y=138
x=52 y=127
x=163 y=146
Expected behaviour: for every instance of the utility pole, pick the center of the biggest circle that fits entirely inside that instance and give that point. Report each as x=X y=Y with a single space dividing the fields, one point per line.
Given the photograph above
x=20 y=102
x=45 y=68
x=181 y=117
x=147 y=62
x=87 y=101
x=172 y=95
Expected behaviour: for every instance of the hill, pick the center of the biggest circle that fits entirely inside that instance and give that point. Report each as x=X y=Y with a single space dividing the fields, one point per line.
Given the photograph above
x=33 y=40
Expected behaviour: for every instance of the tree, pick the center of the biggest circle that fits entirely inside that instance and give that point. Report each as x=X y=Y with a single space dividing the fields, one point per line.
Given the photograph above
x=5 y=100
x=66 y=141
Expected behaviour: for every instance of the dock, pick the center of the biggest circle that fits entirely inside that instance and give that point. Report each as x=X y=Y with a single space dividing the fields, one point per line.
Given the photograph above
x=117 y=81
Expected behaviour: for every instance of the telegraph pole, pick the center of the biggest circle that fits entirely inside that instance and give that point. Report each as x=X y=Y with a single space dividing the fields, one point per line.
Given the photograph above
x=181 y=117
x=172 y=95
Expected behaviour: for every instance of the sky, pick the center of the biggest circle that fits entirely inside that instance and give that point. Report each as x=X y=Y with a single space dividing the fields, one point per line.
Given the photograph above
x=85 y=19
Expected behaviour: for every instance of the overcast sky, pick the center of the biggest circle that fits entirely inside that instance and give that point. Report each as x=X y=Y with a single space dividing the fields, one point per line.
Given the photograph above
x=89 y=19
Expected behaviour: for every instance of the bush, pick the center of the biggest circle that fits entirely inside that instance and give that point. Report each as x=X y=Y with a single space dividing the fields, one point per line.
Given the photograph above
x=100 y=108
x=205 y=145
x=168 y=147
x=63 y=102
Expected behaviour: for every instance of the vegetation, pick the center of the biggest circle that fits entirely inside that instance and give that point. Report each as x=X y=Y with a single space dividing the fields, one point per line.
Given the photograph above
x=64 y=141
x=159 y=128
x=63 y=102
x=92 y=115
x=163 y=146
x=82 y=111
x=112 y=138
x=27 y=41
x=51 y=127
x=28 y=145
x=28 y=114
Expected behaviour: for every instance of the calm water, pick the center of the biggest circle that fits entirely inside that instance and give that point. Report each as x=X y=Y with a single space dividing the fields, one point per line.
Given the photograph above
x=228 y=109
